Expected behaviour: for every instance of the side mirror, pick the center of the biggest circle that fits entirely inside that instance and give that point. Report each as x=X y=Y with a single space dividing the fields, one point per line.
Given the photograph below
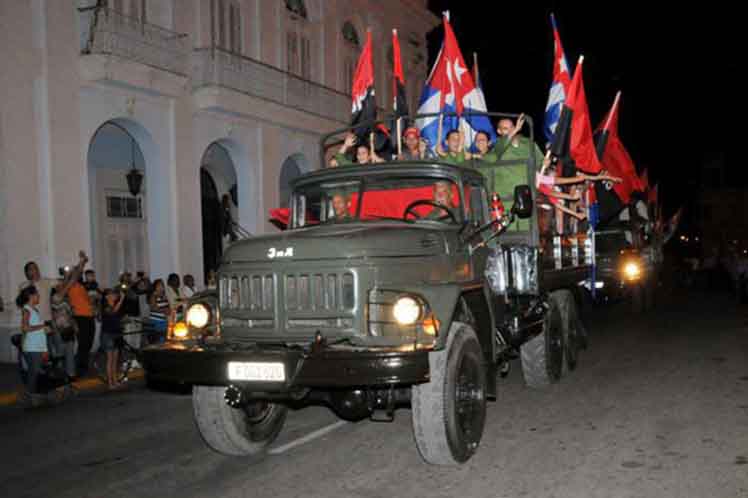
x=522 y=207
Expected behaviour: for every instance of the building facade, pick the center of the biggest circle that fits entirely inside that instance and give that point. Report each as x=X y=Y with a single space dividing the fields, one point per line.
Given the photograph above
x=217 y=104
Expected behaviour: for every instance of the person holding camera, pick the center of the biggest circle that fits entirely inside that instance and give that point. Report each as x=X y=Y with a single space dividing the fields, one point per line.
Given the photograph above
x=83 y=312
x=131 y=306
x=57 y=345
x=65 y=326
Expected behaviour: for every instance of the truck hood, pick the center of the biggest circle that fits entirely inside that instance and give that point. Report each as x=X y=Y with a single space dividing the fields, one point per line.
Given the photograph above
x=356 y=240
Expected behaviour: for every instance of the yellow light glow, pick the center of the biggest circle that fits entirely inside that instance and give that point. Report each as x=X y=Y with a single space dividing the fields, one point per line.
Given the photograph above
x=431 y=326
x=632 y=270
x=180 y=330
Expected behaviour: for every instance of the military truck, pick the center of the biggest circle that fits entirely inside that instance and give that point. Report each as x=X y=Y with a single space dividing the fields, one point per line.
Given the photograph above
x=394 y=285
x=627 y=264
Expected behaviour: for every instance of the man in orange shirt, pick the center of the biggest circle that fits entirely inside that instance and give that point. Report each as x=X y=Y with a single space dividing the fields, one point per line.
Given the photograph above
x=83 y=313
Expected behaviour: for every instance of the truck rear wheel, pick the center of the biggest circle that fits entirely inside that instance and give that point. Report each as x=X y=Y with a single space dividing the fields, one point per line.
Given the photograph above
x=543 y=355
x=573 y=333
x=449 y=412
x=231 y=431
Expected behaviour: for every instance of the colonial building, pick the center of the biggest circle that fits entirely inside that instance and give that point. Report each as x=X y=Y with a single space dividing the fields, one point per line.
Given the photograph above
x=207 y=100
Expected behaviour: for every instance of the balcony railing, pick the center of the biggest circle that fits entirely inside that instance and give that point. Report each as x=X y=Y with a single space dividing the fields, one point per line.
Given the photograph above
x=109 y=32
x=214 y=66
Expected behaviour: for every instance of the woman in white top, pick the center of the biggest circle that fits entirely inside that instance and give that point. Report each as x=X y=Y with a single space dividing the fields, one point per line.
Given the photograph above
x=35 y=332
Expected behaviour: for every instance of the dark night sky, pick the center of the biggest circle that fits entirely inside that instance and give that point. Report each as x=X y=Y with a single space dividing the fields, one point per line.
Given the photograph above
x=677 y=69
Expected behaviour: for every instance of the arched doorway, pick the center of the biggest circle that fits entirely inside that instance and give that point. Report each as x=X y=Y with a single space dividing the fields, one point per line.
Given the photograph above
x=212 y=233
x=292 y=167
x=219 y=199
x=119 y=224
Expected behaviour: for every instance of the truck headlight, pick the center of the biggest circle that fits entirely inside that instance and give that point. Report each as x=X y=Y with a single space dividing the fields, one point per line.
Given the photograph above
x=198 y=316
x=406 y=311
x=632 y=270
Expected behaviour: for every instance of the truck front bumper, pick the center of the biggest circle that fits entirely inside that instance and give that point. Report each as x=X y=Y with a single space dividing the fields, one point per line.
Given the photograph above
x=331 y=367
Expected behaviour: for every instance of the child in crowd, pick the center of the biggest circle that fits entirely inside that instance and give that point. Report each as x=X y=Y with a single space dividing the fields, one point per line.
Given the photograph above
x=34 y=344
x=111 y=334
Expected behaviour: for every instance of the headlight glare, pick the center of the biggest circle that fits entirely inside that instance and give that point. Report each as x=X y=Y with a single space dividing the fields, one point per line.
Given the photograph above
x=198 y=316
x=406 y=311
x=632 y=270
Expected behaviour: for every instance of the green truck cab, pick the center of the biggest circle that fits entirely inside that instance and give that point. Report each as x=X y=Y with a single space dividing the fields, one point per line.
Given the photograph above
x=392 y=286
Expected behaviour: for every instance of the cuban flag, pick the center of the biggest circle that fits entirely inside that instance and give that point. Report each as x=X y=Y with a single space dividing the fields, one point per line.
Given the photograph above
x=450 y=88
x=559 y=86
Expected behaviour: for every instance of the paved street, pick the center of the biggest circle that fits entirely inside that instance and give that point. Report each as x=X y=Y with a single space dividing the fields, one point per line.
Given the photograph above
x=657 y=408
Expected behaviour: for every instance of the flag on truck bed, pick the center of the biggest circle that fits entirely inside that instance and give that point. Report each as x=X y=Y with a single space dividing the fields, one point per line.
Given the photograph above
x=616 y=162
x=573 y=136
x=450 y=88
x=399 y=100
x=364 y=104
x=559 y=86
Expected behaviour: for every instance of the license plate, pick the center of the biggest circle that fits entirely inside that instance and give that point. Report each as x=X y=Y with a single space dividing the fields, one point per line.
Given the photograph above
x=257 y=371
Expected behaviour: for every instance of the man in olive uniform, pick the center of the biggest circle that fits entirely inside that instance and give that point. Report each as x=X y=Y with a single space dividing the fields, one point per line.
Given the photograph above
x=455 y=153
x=515 y=147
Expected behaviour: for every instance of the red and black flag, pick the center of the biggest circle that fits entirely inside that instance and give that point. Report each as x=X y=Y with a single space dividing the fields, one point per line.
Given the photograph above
x=617 y=162
x=573 y=139
x=399 y=100
x=364 y=104
x=643 y=183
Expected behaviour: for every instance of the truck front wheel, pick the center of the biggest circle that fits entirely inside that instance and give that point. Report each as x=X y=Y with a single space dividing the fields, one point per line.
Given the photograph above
x=231 y=431
x=449 y=411
x=543 y=355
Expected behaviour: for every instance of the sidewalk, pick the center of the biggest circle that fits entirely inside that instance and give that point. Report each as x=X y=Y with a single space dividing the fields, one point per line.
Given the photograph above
x=11 y=386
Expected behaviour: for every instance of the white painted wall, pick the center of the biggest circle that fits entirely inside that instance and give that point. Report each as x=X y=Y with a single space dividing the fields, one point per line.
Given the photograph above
x=148 y=120
x=54 y=100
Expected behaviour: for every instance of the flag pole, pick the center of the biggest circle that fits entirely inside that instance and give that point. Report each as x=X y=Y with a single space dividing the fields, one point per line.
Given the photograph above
x=612 y=110
x=475 y=67
x=371 y=145
x=439 y=131
x=399 y=136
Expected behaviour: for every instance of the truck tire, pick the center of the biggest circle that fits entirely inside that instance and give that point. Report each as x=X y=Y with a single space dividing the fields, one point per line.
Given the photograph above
x=572 y=333
x=449 y=411
x=543 y=355
x=235 y=431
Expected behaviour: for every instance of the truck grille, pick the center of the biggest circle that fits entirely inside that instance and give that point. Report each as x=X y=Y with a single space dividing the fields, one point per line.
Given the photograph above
x=302 y=292
x=247 y=292
x=319 y=291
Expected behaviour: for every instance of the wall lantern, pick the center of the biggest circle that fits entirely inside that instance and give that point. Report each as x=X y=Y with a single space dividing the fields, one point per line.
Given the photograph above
x=134 y=176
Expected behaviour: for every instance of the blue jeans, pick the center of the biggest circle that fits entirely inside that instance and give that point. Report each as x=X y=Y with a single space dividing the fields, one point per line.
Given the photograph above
x=34 y=364
x=59 y=349
x=156 y=330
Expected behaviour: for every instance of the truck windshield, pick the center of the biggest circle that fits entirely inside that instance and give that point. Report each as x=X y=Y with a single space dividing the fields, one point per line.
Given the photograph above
x=408 y=198
x=611 y=242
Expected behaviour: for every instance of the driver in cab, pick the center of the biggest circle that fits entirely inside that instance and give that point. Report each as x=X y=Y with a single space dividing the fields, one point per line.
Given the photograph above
x=442 y=197
x=340 y=208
